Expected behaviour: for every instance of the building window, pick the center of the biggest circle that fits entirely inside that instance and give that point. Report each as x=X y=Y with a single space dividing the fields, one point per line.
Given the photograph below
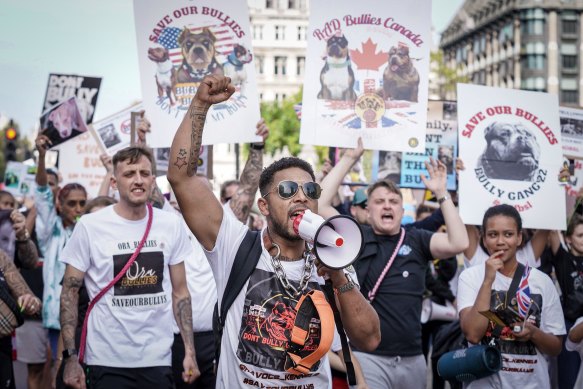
x=569 y=96
x=302 y=30
x=292 y=4
x=257 y=31
x=269 y=3
x=279 y=33
x=261 y=96
x=534 y=83
x=569 y=61
x=300 y=65
x=476 y=46
x=279 y=68
x=569 y=27
x=505 y=34
x=259 y=64
x=461 y=54
x=534 y=62
x=532 y=27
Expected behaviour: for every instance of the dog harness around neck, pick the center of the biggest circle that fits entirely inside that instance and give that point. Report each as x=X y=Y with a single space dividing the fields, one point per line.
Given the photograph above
x=344 y=64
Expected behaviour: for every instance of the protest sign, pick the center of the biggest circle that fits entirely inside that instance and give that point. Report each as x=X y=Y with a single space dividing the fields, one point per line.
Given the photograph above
x=62 y=122
x=113 y=132
x=79 y=161
x=510 y=143
x=366 y=75
x=572 y=131
x=440 y=143
x=204 y=164
x=63 y=86
x=19 y=179
x=179 y=43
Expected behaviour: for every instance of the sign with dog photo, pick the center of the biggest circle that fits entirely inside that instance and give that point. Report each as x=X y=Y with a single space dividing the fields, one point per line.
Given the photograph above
x=572 y=131
x=440 y=143
x=61 y=87
x=510 y=142
x=62 y=122
x=367 y=69
x=19 y=179
x=113 y=133
x=181 y=42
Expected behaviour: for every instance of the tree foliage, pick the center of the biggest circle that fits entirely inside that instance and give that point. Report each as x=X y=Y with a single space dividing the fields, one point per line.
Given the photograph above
x=447 y=77
x=283 y=123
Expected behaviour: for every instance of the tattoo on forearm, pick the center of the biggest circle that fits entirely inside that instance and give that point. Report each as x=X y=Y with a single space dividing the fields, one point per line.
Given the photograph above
x=15 y=282
x=197 y=117
x=69 y=309
x=180 y=159
x=242 y=202
x=27 y=254
x=183 y=315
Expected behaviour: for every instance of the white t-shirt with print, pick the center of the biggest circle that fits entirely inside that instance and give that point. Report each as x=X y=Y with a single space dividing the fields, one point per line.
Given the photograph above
x=578 y=347
x=258 y=323
x=131 y=325
x=525 y=255
x=519 y=370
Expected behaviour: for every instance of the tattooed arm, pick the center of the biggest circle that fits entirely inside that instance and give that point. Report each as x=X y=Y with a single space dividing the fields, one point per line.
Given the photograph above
x=242 y=201
x=200 y=208
x=25 y=249
x=182 y=307
x=73 y=374
x=26 y=300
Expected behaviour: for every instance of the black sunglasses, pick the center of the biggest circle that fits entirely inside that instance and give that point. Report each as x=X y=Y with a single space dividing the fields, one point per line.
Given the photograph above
x=288 y=189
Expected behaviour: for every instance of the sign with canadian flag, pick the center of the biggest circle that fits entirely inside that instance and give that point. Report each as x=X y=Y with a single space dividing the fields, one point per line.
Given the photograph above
x=366 y=76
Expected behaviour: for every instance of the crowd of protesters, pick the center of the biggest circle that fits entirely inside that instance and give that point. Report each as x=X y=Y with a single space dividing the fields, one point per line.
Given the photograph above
x=112 y=292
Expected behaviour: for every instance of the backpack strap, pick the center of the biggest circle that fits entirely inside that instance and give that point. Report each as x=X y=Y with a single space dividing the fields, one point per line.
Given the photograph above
x=350 y=373
x=244 y=264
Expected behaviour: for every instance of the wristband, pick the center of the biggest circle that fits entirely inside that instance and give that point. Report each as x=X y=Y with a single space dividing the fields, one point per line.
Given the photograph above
x=69 y=352
x=257 y=146
x=441 y=200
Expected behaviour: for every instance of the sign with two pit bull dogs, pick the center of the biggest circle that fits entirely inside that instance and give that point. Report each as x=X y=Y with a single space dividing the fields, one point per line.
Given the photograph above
x=510 y=142
x=181 y=42
x=366 y=76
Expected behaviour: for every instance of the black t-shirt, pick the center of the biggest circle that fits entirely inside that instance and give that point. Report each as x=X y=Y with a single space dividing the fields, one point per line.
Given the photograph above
x=399 y=297
x=569 y=271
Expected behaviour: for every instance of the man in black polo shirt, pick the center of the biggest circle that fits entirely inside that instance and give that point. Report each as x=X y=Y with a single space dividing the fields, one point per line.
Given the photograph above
x=391 y=271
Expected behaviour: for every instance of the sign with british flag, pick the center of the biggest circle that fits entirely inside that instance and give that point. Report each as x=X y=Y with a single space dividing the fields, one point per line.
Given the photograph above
x=181 y=42
x=367 y=74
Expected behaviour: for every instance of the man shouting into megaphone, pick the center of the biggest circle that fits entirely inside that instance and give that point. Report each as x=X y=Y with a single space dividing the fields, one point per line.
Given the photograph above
x=263 y=344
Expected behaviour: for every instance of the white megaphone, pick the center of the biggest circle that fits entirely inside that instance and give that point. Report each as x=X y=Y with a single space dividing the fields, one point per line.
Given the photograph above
x=430 y=310
x=337 y=241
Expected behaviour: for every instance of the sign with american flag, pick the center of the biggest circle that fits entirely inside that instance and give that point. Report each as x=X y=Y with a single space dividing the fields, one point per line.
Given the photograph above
x=179 y=43
x=367 y=74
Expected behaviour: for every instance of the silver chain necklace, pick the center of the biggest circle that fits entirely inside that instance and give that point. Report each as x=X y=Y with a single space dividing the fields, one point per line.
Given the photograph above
x=292 y=291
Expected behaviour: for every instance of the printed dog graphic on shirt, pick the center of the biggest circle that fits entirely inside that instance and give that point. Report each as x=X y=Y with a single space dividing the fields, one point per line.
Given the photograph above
x=512 y=152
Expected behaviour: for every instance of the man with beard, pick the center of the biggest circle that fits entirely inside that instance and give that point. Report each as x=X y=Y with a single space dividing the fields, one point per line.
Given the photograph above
x=249 y=355
x=129 y=335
